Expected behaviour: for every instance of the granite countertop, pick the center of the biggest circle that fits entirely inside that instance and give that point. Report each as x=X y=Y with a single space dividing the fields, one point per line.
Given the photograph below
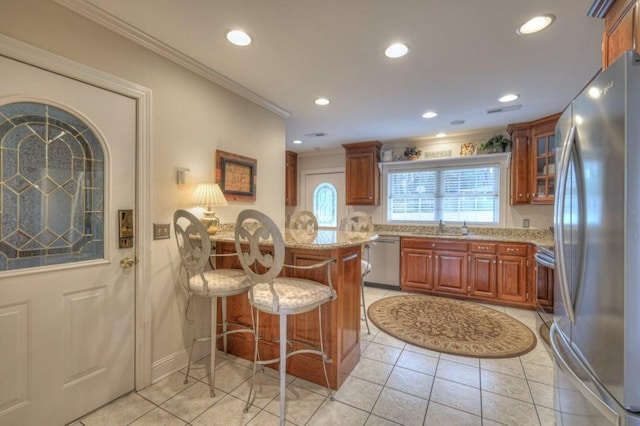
x=540 y=237
x=322 y=239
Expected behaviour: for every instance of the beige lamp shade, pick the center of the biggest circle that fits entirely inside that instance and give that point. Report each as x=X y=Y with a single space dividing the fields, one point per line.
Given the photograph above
x=208 y=195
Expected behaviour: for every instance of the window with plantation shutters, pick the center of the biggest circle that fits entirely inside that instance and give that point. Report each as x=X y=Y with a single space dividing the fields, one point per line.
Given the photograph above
x=454 y=194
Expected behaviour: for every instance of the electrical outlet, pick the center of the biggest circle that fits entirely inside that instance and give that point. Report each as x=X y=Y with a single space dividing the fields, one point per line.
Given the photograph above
x=161 y=231
x=525 y=223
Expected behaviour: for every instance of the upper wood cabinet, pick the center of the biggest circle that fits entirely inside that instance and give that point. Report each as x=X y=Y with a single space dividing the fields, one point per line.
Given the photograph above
x=621 y=32
x=520 y=190
x=362 y=174
x=291 y=179
x=533 y=161
x=543 y=156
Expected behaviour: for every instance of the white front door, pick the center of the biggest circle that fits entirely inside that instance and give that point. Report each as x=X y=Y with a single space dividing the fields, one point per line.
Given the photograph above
x=66 y=304
x=329 y=212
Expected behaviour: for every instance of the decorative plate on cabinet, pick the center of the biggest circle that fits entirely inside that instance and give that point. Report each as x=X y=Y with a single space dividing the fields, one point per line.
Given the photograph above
x=469 y=148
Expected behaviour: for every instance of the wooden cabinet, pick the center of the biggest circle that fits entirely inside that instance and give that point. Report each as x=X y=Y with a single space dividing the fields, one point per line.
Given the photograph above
x=544 y=287
x=520 y=190
x=489 y=271
x=543 y=150
x=438 y=265
x=533 y=161
x=362 y=174
x=512 y=279
x=482 y=269
x=291 y=179
x=416 y=267
x=621 y=32
x=450 y=271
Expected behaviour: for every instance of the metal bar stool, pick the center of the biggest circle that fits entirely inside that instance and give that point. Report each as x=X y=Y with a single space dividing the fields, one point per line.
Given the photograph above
x=360 y=222
x=194 y=247
x=260 y=248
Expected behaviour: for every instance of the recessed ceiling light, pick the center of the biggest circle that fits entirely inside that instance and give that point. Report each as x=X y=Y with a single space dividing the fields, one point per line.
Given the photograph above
x=239 y=38
x=396 y=50
x=322 y=101
x=509 y=97
x=429 y=114
x=297 y=142
x=535 y=24
x=441 y=135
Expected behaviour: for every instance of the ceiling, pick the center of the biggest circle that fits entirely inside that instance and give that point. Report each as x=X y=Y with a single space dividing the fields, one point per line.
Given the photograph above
x=464 y=55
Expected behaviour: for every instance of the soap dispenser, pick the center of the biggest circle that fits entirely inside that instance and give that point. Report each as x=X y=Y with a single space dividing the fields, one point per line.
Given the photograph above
x=464 y=229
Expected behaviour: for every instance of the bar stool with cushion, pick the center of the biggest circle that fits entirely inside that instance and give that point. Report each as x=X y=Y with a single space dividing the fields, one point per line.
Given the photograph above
x=260 y=248
x=359 y=221
x=194 y=247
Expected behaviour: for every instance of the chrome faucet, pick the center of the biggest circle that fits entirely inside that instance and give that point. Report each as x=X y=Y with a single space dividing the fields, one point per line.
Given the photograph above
x=441 y=226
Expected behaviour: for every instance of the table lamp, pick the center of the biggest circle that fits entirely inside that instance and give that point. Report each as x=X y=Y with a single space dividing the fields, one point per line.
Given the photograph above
x=208 y=195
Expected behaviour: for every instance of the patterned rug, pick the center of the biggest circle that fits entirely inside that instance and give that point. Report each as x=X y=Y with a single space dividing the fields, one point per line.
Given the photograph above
x=452 y=326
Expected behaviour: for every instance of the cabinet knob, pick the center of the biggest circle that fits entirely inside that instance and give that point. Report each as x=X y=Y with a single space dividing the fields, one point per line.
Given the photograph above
x=433 y=244
x=519 y=195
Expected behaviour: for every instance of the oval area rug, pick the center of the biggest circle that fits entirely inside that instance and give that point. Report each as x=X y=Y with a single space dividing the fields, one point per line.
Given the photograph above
x=452 y=326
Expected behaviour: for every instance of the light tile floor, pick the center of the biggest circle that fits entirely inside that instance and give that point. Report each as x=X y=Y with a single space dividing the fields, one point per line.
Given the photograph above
x=394 y=383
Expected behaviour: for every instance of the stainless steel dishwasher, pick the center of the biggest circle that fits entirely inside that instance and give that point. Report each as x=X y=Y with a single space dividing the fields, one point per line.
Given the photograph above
x=385 y=263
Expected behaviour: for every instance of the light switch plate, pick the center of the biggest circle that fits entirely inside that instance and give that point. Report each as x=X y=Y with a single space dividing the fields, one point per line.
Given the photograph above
x=525 y=223
x=161 y=231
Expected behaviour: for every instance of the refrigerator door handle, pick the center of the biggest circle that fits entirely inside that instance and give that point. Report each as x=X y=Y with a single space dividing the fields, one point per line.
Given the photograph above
x=558 y=223
x=610 y=414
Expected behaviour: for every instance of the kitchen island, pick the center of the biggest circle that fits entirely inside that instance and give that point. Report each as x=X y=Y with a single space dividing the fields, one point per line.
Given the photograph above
x=341 y=317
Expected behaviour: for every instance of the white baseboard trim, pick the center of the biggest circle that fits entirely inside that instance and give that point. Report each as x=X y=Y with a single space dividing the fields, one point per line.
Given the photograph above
x=176 y=361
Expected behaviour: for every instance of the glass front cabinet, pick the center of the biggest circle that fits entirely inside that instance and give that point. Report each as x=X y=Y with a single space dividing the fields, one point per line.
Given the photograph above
x=533 y=161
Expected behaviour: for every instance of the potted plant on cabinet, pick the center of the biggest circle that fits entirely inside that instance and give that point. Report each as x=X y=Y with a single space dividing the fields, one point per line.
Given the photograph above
x=496 y=143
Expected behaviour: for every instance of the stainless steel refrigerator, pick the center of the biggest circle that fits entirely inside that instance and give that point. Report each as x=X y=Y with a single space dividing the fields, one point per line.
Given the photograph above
x=596 y=331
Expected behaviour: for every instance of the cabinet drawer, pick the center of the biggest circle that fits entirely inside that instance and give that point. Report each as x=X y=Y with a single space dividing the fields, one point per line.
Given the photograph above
x=513 y=249
x=489 y=248
x=426 y=244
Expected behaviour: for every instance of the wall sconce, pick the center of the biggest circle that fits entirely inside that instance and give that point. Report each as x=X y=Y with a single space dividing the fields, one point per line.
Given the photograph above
x=208 y=195
x=181 y=173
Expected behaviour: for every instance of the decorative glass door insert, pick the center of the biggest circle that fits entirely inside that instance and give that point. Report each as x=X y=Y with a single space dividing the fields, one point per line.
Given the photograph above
x=51 y=187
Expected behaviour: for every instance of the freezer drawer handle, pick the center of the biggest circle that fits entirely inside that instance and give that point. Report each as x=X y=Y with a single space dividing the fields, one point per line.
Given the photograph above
x=602 y=407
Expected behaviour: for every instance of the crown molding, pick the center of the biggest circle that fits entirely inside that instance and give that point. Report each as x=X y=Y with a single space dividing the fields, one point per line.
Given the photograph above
x=120 y=27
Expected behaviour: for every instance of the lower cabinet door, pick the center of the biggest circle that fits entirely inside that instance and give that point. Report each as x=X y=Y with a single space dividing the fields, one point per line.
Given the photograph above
x=482 y=275
x=417 y=269
x=512 y=278
x=450 y=272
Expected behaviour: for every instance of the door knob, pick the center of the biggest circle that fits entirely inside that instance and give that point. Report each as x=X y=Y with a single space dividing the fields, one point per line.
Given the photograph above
x=127 y=262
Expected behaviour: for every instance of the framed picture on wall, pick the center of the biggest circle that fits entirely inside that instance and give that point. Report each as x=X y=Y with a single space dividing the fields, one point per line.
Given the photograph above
x=236 y=176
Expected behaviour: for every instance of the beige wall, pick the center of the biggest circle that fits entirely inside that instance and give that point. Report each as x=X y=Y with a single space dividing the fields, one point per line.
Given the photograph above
x=539 y=216
x=191 y=118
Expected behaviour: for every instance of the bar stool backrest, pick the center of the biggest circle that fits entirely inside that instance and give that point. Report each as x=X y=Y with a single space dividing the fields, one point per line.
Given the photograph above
x=304 y=220
x=357 y=221
x=193 y=243
x=259 y=245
